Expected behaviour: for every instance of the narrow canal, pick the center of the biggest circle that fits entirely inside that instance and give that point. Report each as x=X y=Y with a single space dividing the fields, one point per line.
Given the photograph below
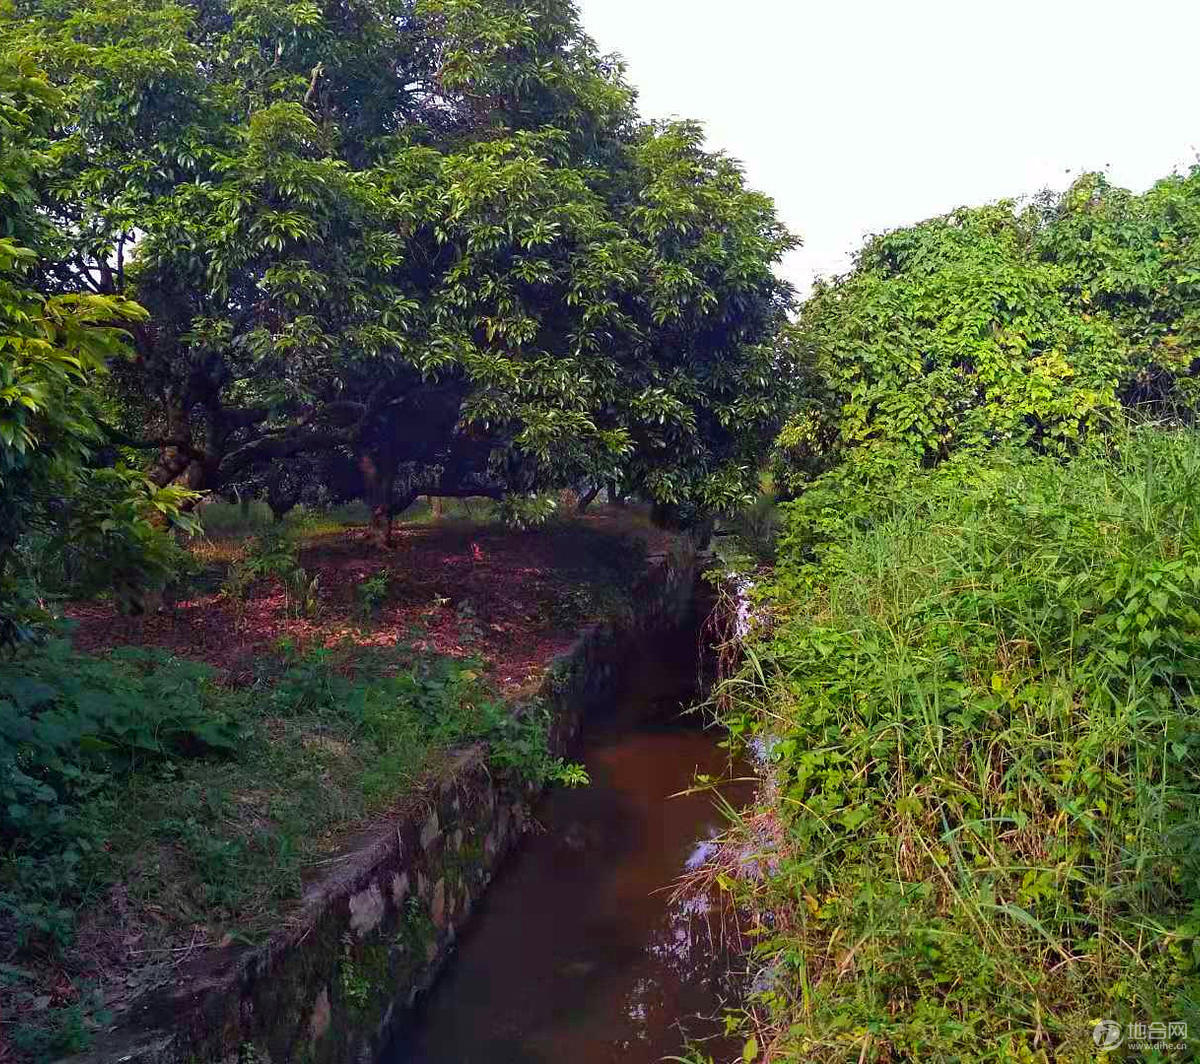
x=576 y=954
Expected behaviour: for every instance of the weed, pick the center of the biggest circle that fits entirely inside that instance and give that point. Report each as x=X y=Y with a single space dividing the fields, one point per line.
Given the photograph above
x=51 y=1031
x=370 y=593
x=303 y=593
x=70 y=729
x=356 y=986
x=568 y=774
x=274 y=553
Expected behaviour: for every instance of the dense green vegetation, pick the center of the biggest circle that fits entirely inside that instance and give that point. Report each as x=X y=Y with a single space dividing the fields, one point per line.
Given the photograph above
x=55 y=350
x=318 y=252
x=415 y=246
x=1035 y=324
x=971 y=671
x=206 y=801
x=975 y=689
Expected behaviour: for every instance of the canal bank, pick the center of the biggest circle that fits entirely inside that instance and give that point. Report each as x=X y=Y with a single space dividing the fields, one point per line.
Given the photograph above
x=374 y=927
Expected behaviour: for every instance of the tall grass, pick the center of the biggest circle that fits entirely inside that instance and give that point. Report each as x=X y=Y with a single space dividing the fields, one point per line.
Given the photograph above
x=977 y=690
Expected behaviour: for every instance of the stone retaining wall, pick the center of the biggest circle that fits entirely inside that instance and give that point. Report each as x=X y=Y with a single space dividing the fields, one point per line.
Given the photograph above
x=332 y=983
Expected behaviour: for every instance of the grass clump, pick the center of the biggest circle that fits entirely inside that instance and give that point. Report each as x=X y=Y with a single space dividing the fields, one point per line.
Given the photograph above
x=975 y=689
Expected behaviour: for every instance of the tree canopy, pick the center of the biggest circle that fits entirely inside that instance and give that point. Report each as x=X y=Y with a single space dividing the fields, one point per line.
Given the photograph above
x=404 y=246
x=1036 y=324
x=55 y=352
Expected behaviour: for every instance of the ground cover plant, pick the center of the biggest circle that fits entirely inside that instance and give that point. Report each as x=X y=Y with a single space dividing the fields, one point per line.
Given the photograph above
x=150 y=813
x=974 y=691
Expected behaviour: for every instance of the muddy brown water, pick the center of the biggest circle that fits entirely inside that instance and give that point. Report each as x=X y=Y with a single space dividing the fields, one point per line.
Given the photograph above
x=576 y=953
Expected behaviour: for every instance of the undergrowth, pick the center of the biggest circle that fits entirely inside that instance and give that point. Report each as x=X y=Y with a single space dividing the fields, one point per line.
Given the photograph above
x=974 y=692
x=199 y=803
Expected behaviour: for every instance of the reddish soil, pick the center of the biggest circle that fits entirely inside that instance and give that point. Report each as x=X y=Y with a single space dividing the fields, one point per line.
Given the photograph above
x=450 y=585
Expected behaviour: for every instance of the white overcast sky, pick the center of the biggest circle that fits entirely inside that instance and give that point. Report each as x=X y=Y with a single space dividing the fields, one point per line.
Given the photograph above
x=862 y=115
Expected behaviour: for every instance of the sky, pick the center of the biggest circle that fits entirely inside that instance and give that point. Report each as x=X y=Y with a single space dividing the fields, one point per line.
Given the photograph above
x=859 y=115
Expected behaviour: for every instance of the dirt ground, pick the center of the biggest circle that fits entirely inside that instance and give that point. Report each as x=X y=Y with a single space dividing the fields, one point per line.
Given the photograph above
x=519 y=598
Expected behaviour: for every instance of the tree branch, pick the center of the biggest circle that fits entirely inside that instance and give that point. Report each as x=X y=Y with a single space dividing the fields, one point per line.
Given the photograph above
x=266 y=448
x=116 y=436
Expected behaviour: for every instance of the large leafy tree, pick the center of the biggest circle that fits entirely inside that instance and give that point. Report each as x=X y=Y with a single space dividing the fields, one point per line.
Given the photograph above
x=997 y=323
x=1135 y=260
x=47 y=350
x=430 y=239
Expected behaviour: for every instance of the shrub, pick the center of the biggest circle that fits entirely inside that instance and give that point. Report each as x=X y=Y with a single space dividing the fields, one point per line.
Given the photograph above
x=274 y=554
x=977 y=699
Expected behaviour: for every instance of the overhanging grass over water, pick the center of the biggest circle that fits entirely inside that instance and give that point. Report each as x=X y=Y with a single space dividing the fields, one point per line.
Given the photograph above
x=977 y=689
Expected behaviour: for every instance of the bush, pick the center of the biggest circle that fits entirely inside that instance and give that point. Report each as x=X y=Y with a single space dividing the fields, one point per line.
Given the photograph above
x=370 y=593
x=977 y=698
x=274 y=554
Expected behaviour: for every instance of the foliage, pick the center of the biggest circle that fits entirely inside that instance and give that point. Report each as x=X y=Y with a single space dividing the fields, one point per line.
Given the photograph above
x=274 y=554
x=975 y=690
x=50 y=1032
x=111 y=531
x=371 y=592
x=70 y=727
x=1136 y=260
x=303 y=592
x=417 y=247
x=569 y=774
x=207 y=801
x=54 y=350
x=997 y=324
x=747 y=538
x=402 y=714
x=526 y=511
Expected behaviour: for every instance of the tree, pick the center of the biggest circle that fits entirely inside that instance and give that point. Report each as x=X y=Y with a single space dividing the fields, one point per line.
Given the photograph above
x=430 y=237
x=54 y=348
x=1136 y=261
x=990 y=324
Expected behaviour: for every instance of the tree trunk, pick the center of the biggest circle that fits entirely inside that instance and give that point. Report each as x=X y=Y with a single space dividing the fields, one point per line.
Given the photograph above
x=379 y=477
x=585 y=500
x=173 y=462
